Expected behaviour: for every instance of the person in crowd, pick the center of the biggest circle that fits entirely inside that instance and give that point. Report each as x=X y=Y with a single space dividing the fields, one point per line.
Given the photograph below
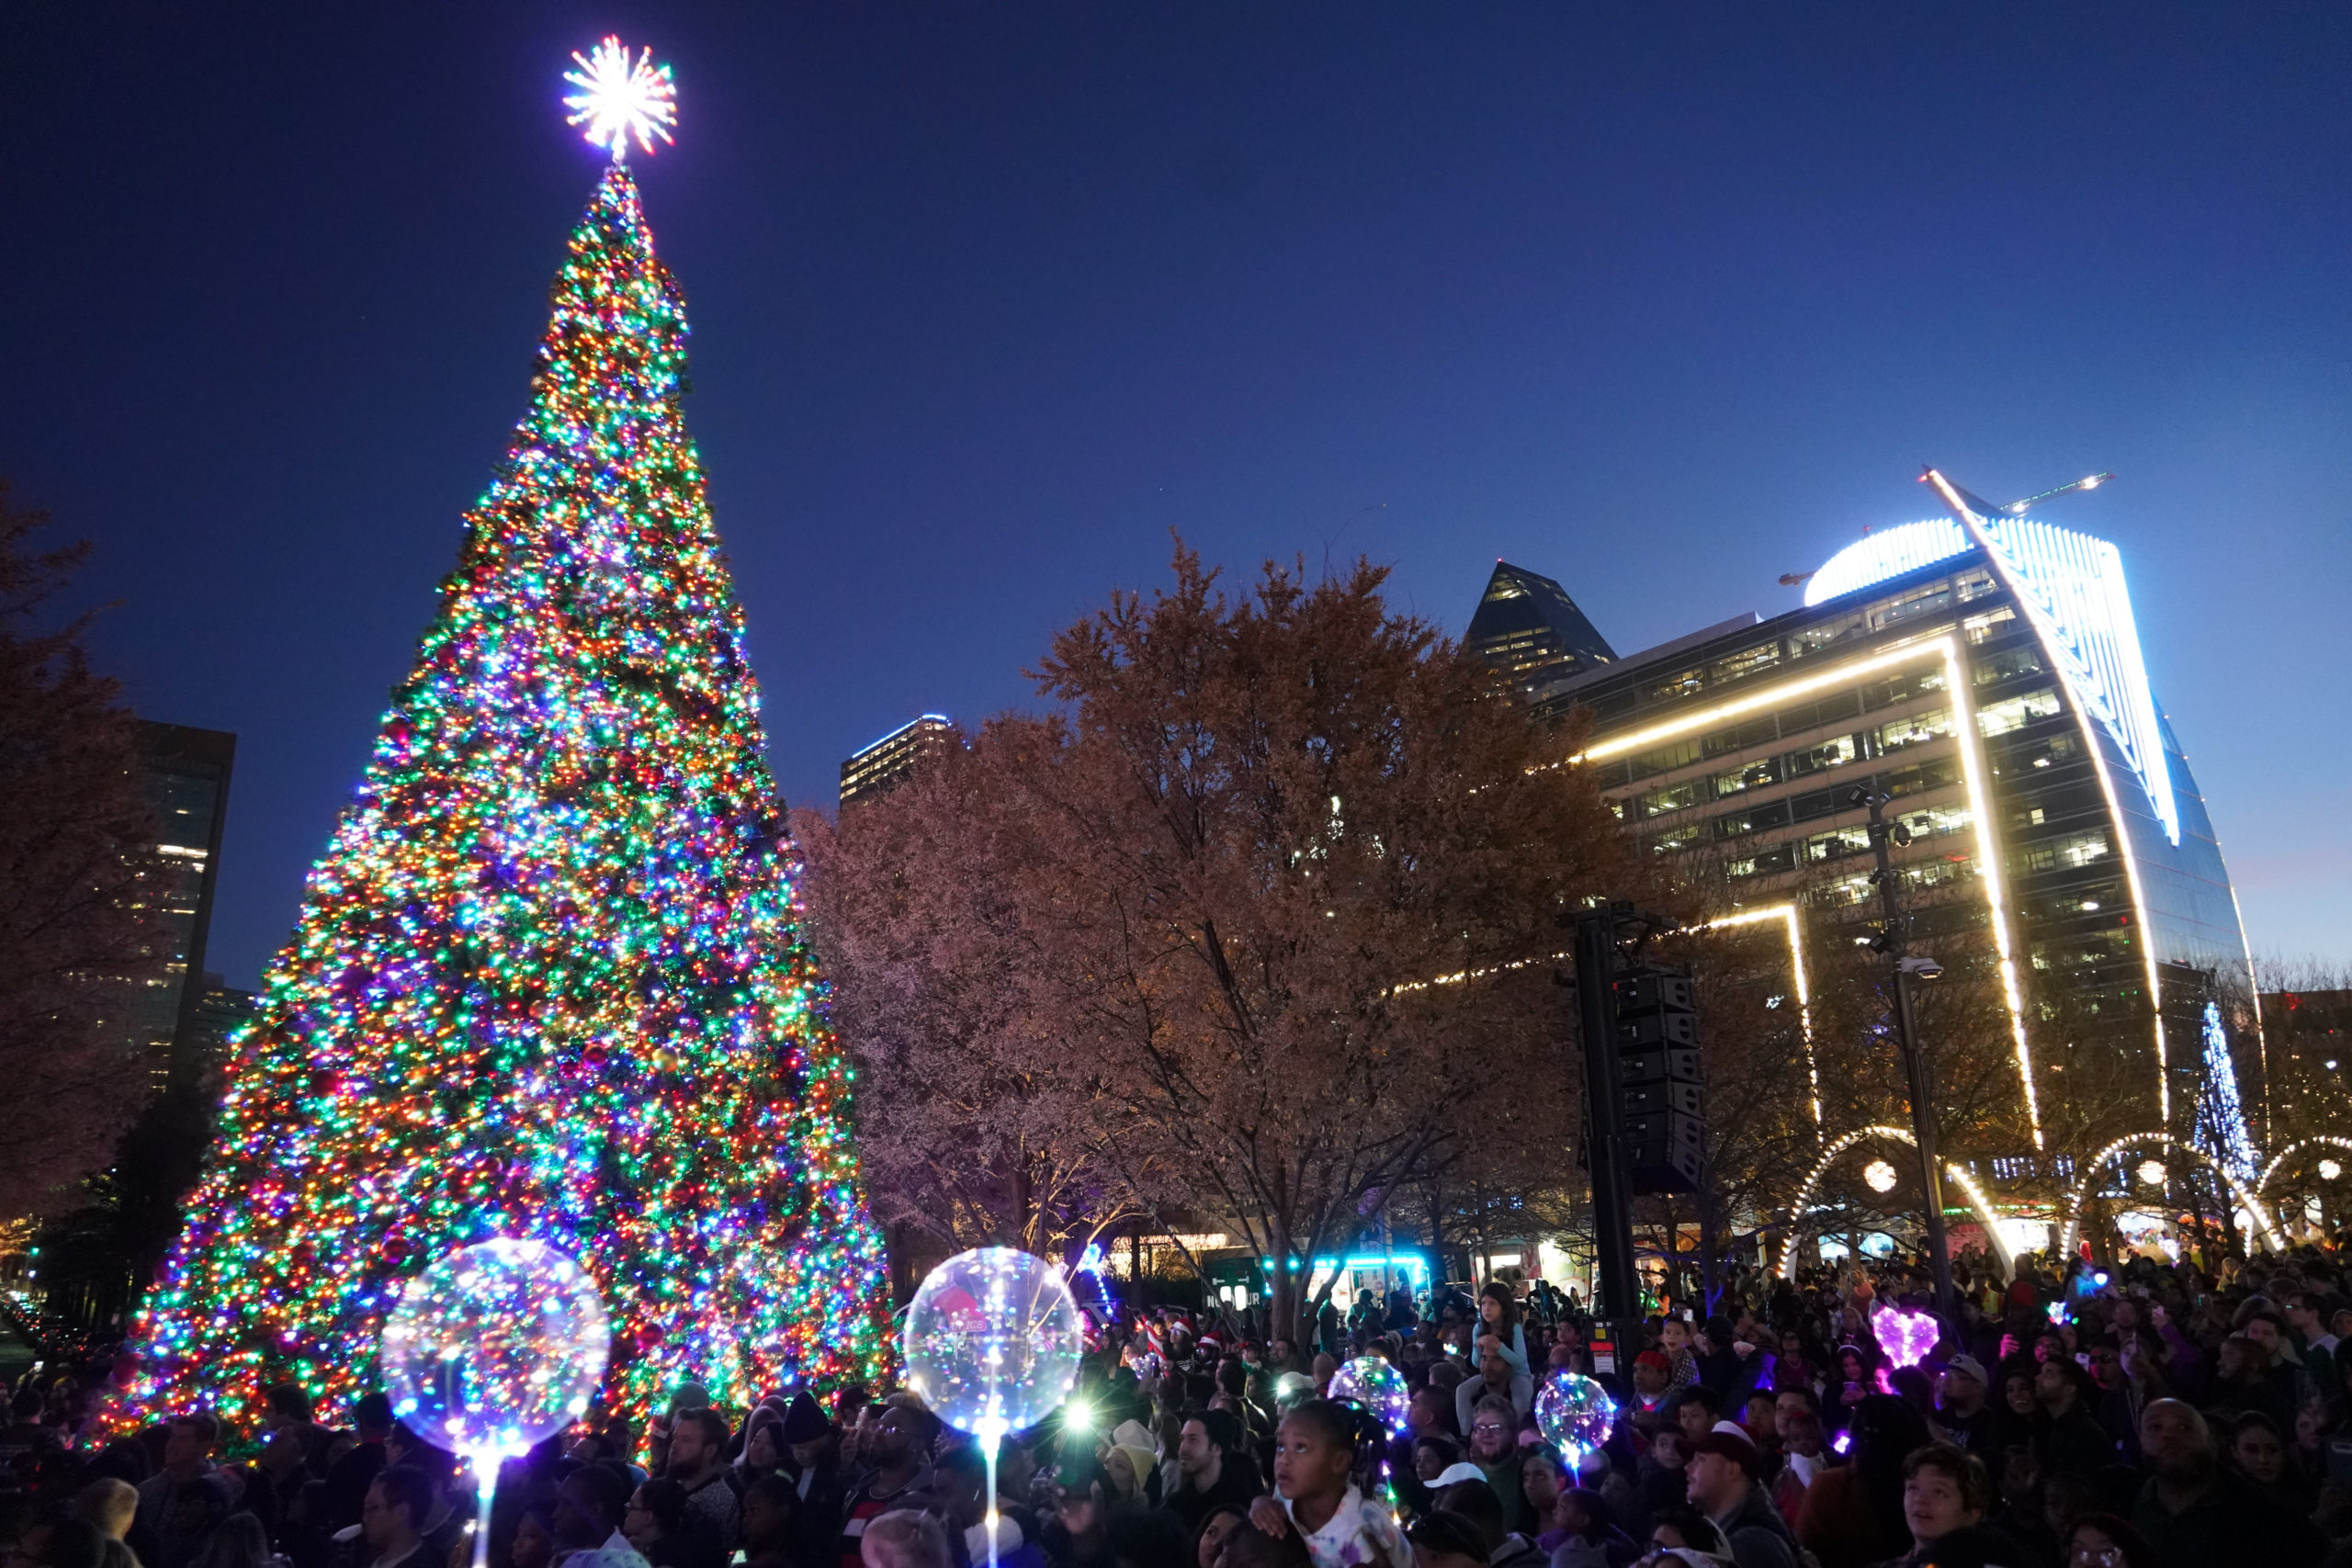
x=1852 y=1512
x=1696 y=1410
x=1315 y=1492
x=1585 y=1532
x=1684 y=1535
x=2198 y=1513
x=696 y=1464
x=1212 y=1471
x=589 y=1507
x=348 y=1477
x=2070 y=1440
x=2106 y=1541
x=1078 y=1533
x=773 y=1535
x=1804 y=1454
x=188 y=1454
x=1726 y=1484
x=898 y=1449
x=904 y=1537
x=1542 y=1476
x=533 y=1545
x=656 y=1523
x=1494 y=1449
x=1946 y=1490
x=1965 y=1413
x=1440 y=1539
x=1476 y=1501
x=238 y=1541
x=391 y=1520
x=110 y=1505
x=58 y=1543
x=761 y=1452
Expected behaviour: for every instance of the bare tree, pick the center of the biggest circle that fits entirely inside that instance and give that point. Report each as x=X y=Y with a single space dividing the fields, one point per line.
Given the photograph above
x=1235 y=889
x=77 y=883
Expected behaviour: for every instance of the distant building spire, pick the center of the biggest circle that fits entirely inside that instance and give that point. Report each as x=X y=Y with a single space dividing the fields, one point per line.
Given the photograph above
x=1533 y=633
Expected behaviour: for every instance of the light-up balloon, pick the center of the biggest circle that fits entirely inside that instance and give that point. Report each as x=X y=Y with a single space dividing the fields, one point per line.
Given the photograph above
x=993 y=1342
x=1371 y=1383
x=1574 y=1413
x=493 y=1348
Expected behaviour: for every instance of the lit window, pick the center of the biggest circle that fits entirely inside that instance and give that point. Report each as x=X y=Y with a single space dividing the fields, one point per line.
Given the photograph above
x=2016 y=712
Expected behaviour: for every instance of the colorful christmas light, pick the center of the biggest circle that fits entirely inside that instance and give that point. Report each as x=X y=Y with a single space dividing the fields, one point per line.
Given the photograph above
x=549 y=980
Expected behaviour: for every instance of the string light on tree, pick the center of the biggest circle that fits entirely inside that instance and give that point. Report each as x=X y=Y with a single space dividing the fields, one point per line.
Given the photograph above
x=548 y=981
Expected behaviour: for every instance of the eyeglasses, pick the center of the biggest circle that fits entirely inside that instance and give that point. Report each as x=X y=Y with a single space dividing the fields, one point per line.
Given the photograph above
x=2097 y=1557
x=1489 y=1427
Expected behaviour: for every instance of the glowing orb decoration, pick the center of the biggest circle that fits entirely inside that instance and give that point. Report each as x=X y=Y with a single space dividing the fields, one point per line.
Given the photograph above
x=993 y=1342
x=619 y=100
x=2152 y=1172
x=1574 y=1413
x=493 y=1348
x=1371 y=1383
x=2329 y=1170
x=1906 y=1336
x=1880 y=1176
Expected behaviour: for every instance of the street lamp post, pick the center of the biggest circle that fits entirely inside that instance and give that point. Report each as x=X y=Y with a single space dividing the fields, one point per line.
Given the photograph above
x=1907 y=972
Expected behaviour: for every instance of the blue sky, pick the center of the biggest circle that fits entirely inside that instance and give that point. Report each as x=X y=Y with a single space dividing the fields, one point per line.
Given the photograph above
x=1663 y=301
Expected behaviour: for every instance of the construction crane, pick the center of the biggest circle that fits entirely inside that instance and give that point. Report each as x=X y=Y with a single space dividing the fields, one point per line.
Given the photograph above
x=2017 y=508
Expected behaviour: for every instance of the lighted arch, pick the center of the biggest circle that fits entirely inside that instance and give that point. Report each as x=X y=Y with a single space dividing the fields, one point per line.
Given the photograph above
x=2326 y=1139
x=1952 y=1173
x=2247 y=1199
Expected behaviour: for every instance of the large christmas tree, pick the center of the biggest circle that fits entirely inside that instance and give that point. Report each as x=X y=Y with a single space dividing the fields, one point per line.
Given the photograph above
x=548 y=979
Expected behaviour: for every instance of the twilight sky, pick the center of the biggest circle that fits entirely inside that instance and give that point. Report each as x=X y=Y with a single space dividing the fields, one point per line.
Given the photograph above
x=1663 y=301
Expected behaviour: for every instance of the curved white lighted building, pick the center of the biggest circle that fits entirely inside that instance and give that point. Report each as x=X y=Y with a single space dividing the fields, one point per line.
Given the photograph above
x=1987 y=671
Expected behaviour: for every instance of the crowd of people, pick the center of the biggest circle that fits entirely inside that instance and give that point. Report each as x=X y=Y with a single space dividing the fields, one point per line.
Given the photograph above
x=2134 y=1416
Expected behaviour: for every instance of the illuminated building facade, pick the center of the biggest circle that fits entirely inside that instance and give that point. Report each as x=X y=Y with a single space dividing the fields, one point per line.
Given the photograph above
x=1987 y=675
x=1529 y=629
x=875 y=768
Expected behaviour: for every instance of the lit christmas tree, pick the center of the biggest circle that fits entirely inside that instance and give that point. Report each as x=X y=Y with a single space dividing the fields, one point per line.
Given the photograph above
x=549 y=980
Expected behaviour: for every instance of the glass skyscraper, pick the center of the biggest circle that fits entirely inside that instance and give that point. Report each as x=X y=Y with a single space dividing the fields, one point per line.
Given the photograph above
x=184 y=773
x=1986 y=673
x=1529 y=628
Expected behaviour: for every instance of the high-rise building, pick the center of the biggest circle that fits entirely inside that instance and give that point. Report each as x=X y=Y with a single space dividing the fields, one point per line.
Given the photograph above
x=1987 y=675
x=873 y=769
x=1529 y=629
x=185 y=774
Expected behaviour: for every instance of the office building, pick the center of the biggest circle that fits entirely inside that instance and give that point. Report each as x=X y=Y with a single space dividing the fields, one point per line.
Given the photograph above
x=1531 y=631
x=874 y=769
x=1984 y=670
x=185 y=774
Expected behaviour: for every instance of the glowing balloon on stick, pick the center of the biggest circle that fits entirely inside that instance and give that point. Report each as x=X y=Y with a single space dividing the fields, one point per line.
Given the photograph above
x=991 y=1343
x=491 y=1350
x=1574 y=1413
x=1906 y=1336
x=1371 y=1383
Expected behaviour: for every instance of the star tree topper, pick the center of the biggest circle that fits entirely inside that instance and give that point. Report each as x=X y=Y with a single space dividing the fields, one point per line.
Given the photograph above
x=619 y=99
